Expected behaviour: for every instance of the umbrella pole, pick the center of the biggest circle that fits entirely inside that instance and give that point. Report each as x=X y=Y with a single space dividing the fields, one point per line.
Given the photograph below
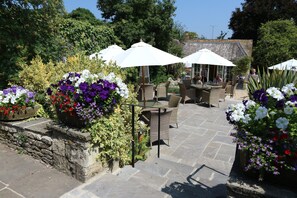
x=143 y=88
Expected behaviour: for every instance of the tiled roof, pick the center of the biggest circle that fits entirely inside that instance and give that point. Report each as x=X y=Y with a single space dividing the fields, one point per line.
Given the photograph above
x=229 y=49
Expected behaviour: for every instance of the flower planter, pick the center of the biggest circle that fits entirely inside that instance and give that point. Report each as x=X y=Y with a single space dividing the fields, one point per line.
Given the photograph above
x=286 y=178
x=70 y=119
x=20 y=114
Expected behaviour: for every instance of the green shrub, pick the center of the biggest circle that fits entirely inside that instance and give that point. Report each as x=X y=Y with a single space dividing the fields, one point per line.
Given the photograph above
x=275 y=78
x=113 y=133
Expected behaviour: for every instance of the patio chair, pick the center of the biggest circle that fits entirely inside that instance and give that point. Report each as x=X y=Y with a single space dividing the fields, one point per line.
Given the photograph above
x=212 y=96
x=150 y=117
x=187 y=83
x=173 y=104
x=149 y=92
x=187 y=94
x=162 y=90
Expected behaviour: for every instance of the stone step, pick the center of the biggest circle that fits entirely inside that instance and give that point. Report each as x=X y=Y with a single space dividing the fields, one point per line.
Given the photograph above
x=151 y=168
x=143 y=177
x=109 y=186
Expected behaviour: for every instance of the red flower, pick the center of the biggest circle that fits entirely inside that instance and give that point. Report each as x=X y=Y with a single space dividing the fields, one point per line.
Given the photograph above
x=275 y=138
x=284 y=136
x=287 y=152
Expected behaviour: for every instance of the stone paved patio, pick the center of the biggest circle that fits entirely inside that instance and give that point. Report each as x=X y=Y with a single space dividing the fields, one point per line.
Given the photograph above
x=196 y=164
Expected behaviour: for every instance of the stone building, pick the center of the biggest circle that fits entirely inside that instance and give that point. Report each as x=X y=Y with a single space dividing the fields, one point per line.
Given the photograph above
x=230 y=49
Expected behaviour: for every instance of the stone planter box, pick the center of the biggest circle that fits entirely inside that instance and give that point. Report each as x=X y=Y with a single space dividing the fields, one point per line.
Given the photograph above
x=66 y=149
x=19 y=115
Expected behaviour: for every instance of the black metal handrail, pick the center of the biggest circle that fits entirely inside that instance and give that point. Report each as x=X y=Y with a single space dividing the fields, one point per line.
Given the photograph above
x=133 y=129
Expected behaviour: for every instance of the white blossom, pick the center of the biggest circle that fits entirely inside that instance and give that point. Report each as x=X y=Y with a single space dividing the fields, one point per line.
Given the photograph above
x=275 y=93
x=237 y=115
x=249 y=104
x=288 y=89
x=246 y=119
x=282 y=123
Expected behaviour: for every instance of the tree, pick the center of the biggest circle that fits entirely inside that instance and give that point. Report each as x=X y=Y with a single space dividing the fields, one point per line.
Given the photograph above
x=150 y=20
x=277 y=43
x=83 y=14
x=82 y=36
x=28 y=28
x=245 y=22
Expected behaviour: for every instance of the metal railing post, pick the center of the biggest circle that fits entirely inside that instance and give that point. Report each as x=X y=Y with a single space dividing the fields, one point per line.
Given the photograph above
x=159 y=121
x=133 y=136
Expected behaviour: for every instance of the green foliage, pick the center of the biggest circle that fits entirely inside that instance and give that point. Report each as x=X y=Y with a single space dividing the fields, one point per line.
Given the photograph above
x=246 y=21
x=83 y=14
x=277 y=78
x=28 y=28
x=83 y=36
x=150 y=20
x=277 y=43
x=113 y=135
x=159 y=75
x=242 y=66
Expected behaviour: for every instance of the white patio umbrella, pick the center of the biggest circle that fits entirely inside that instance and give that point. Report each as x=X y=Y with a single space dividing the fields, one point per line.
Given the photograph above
x=207 y=57
x=108 y=53
x=142 y=54
x=289 y=65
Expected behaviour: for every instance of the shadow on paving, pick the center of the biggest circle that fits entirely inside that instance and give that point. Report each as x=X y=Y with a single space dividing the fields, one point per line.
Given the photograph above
x=194 y=188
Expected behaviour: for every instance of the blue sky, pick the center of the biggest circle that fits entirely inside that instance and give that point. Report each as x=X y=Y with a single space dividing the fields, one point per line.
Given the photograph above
x=205 y=17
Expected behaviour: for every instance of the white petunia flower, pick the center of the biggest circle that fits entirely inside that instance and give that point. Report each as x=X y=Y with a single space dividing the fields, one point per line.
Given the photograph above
x=288 y=110
x=282 y=123
x=249 y=104
x=261 y=113
x=290 y=103
x=275 y=93
x=288 y=89
x=65 y=76
x=237 y=115
x=246 y=119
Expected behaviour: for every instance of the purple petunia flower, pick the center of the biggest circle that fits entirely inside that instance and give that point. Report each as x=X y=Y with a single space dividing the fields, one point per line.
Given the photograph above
x=83 y=86
x=261 y=96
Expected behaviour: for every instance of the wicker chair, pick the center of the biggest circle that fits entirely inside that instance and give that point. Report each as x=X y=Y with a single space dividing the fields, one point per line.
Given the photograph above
x=150 y=117
x=162 y=90
x=212 y=96
x=187 y=94
x=173 y=104
x=230 y=90
x=149 y=92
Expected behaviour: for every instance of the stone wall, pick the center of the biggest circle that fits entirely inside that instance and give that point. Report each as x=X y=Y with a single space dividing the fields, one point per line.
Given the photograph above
x=66 y=149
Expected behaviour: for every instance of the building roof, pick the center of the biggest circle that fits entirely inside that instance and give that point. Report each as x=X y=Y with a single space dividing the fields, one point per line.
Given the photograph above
x=229 y=49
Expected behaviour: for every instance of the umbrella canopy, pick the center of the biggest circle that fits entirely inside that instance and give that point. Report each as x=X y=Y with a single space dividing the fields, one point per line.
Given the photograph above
x=289 y=65
x=207 y=57
x=108 y=53
x=143 y=54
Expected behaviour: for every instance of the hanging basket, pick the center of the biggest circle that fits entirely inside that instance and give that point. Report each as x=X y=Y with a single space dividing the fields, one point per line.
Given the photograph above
x=19 y=114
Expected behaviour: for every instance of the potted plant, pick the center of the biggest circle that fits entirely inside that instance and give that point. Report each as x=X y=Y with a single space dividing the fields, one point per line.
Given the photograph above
x=80 y=98
x=267 y=132
x=17 y=103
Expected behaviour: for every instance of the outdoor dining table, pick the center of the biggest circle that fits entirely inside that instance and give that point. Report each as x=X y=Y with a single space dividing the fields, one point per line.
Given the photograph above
x=199 y=88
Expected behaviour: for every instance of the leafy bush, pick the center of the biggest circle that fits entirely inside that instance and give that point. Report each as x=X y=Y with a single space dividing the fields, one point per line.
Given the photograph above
x=276 y=78
x=107 y=131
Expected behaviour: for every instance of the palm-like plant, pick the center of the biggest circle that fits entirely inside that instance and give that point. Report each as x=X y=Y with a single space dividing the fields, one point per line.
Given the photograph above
x=276 y=78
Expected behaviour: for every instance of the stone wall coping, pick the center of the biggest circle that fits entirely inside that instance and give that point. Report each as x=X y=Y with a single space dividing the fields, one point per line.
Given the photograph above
x=72 y=132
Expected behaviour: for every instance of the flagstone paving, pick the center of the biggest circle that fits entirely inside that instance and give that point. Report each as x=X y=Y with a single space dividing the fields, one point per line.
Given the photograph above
x=196 y=164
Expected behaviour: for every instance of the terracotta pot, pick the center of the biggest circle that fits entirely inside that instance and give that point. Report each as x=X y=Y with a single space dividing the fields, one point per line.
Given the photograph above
x=19 y=115
x=70 y=119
